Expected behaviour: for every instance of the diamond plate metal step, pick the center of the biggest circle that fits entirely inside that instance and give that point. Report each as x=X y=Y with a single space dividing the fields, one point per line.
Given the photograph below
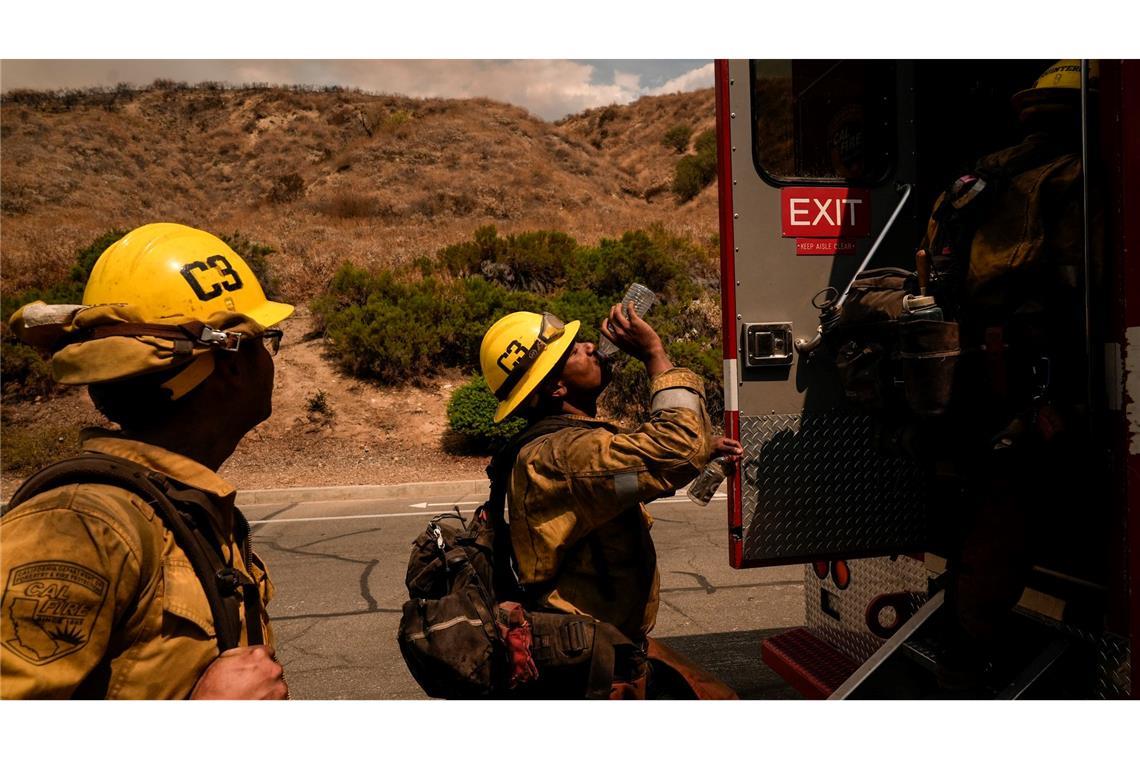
x=811 y=666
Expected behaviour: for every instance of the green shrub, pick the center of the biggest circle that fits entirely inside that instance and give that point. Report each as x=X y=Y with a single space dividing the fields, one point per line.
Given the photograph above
x=395 y=329
x=677 y=137
x=318 y=403
x=706 y=144
x=407 y=325
x=693 y=173
x=470 y=414
x=687 y=179
x=23 y=372
x=534 y=261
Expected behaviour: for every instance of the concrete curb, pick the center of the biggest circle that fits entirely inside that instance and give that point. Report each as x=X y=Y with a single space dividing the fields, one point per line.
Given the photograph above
x=439 y=490
x=447 y=489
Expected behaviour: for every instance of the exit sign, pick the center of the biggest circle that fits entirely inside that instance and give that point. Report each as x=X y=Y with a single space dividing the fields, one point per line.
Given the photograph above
x=825 y=212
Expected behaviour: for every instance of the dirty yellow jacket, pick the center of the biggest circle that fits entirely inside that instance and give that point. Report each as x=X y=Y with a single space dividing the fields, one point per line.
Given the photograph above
x=82 y=616
x=579 y=527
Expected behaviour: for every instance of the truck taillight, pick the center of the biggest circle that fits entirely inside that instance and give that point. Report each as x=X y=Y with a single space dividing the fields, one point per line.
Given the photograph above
x=841 y=574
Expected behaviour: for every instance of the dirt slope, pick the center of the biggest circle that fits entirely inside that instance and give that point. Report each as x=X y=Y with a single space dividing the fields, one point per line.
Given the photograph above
x=324 y=177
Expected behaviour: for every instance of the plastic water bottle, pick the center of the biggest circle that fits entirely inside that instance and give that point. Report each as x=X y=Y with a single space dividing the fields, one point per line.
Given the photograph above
x=643 y=299
x=703 y=487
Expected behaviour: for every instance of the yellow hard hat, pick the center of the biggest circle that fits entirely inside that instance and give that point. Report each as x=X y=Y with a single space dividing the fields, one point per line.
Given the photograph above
x=163 y=296
x=519 y=351
x=1062 y=80
x=171 y=271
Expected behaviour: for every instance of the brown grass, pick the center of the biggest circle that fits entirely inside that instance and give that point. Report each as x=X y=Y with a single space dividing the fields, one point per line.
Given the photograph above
x=429 y=174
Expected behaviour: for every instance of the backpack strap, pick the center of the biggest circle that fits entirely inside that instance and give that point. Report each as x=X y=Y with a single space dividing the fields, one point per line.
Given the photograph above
x=499 y=472
x=580 y=644
x=181 y=511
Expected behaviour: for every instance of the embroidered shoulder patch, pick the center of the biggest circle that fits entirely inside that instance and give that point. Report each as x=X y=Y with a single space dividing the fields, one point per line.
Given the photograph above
x=49 y=609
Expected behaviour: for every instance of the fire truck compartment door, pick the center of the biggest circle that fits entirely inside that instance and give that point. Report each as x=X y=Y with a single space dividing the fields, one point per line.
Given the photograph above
x=820 y=162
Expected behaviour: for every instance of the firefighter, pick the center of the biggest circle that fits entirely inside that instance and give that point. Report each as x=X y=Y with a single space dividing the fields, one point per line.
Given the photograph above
x=103 y=595
x=576 y=495
x=1014 y=240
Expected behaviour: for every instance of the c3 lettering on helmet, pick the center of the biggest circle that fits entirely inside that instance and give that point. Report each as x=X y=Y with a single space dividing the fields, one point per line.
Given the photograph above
x=515 y=348
x=230 y=281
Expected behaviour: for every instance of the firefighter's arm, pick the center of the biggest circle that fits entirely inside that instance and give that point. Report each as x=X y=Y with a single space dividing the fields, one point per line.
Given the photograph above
x=609 y=472
x=68 y=573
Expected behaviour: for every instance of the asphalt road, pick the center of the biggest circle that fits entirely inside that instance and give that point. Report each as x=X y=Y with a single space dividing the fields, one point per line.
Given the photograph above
x=338 y=567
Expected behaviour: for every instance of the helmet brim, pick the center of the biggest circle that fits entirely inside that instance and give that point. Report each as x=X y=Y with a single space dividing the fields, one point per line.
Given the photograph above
x=1036 y=96
x=270 y=313
x=542 y=366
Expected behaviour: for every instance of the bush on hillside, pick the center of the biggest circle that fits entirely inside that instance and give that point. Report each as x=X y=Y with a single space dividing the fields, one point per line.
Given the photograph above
x=693 y=173
x=706 y=143
x=677 y=137
x=532 y=261
x=404 y=326
x=25 y=373
x=398 y=329
x=470 y=412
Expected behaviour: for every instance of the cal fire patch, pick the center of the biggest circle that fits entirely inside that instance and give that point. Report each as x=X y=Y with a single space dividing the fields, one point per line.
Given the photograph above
x=49 y=609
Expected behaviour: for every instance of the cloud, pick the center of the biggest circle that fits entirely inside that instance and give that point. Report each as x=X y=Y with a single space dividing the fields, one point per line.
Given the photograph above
x=549 y=89
x=695 y=79
x=627 y=81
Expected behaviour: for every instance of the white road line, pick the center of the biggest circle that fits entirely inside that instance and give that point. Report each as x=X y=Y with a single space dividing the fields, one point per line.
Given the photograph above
x=425 y=505
x=671 y=500
x=344 y=517
x=686 y=499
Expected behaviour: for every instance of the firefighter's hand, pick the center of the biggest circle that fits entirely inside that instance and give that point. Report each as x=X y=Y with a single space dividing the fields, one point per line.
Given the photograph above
x=636 y=337
x=729 y=448
x=243 y=673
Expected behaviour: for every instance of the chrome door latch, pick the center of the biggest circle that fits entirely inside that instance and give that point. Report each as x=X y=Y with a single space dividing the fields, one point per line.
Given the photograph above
x=767 y=344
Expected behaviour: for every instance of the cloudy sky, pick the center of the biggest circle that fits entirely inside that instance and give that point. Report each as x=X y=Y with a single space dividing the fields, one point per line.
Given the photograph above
x=548 y=88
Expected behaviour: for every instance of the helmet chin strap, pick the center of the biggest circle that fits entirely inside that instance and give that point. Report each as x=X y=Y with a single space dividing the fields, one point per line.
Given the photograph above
x=190 y=377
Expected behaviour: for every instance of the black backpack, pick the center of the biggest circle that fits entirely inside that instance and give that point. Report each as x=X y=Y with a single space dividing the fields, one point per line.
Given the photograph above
x=469 y=630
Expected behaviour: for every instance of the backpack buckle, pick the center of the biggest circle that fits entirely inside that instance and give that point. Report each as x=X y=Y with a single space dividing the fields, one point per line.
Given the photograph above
x=227 y=341
x=573 y=637
x=228 y=581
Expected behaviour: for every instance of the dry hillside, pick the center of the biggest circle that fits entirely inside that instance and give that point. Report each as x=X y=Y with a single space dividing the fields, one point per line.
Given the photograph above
x=322 y=177
x=328 y=176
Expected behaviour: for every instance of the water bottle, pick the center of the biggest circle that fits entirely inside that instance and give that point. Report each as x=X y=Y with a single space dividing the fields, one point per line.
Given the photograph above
x=921 y=307
x=703 y=487
x=643 y=299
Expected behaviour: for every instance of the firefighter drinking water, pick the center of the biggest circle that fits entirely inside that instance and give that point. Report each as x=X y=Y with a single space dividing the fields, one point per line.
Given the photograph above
x=128 y=571
x=577 y=487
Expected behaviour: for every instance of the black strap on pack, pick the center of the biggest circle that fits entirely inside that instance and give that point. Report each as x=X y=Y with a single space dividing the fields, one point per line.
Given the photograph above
x=183 y=511
x=499 y=472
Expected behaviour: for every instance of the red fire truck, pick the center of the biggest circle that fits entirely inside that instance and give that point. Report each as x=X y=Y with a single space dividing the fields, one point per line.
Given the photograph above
x=875 y=451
